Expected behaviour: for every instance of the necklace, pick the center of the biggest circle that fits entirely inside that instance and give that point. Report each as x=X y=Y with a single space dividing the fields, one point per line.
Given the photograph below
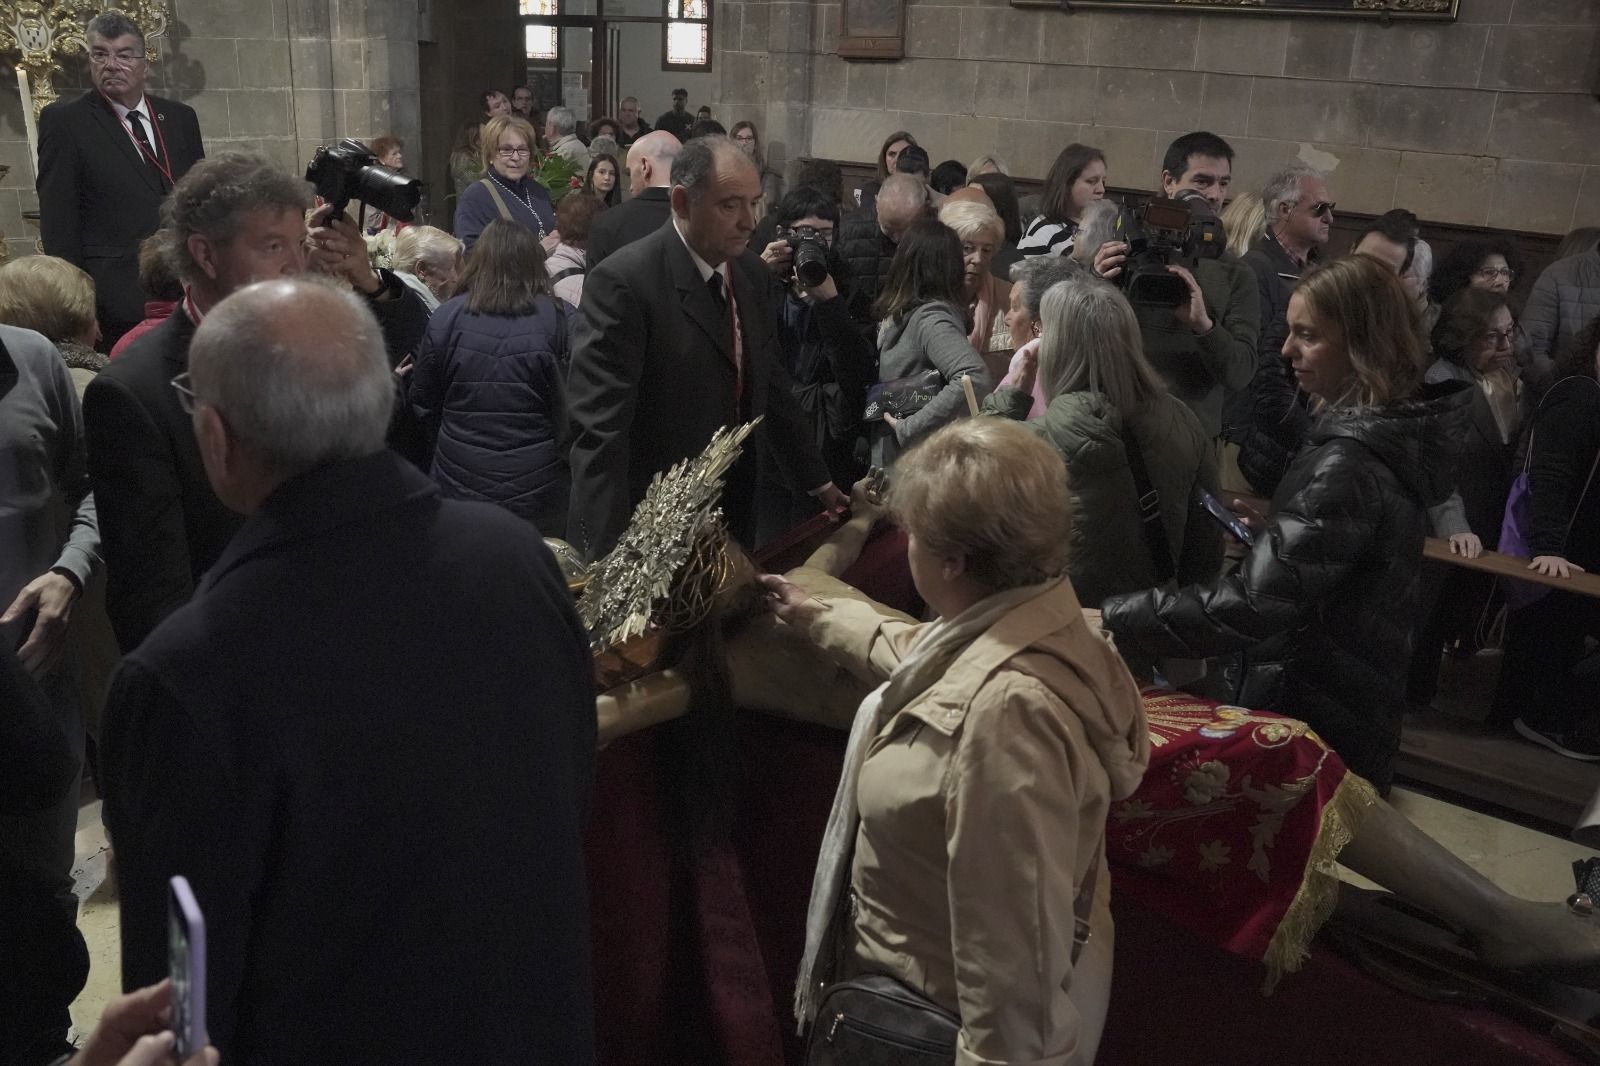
x=525 y=197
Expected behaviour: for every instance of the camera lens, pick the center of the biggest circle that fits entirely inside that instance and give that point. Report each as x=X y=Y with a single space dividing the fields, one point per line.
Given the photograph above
x=811 y=263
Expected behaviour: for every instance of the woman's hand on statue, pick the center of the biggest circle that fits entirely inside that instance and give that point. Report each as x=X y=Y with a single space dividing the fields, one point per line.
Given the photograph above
x=1554 y=566
x=866 y=497
x=1192 y=314
x=789 y=601
x=1466 y=545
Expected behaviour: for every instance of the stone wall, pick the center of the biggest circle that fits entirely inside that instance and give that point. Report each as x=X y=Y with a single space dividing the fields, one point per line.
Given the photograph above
x=1491 y=120
x=273 y=76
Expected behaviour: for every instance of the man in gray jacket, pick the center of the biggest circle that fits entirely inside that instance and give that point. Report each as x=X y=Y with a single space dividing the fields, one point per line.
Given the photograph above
x=1565 y=299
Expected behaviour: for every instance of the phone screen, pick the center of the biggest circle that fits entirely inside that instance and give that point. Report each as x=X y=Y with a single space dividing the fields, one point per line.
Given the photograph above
x=1229 y=520
x=186 y=965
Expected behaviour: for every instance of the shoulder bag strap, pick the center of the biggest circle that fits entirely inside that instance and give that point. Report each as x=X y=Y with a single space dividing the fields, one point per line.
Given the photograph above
x=570 y=272
x=1149 y=503
x=499 y=201
x=1083 y=906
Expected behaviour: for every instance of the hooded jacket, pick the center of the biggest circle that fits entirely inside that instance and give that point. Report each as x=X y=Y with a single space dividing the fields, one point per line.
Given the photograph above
x=1323 y=606
x=983 y=805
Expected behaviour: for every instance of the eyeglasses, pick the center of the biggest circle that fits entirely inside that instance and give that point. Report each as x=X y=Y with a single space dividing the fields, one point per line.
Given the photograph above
x=744 y=136
x=1490 y=273
x=512 y=153
x=181 y=386
x=1496 y=337
x=101 y=57
x=1323 y=208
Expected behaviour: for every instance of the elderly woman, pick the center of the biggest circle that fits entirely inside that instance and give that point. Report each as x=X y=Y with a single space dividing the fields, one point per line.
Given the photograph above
x=604 y=126
x=51 y=296
x=1031 y=279
x=968 y=828
x=1076 y=179
x=489 y=384
x=1472 y=343
x=429 y=261
x=985 y=164
x=507 y=189
x=1324 y=602
x=987 y=297
x=568 y=263
x=922 y=332
x=1123 y=436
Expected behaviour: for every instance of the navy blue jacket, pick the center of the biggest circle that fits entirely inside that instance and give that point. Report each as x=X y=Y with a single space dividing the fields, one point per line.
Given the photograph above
x=489 y=391
x=476 y=208
x=368 y=743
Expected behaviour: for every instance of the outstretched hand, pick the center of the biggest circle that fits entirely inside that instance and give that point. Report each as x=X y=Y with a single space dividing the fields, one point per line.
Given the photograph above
x=1554 y=566
x=789 y=601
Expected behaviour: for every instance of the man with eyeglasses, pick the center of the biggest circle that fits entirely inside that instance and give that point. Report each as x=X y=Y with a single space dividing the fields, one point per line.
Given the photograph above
x=106 y=161
x=1267 y=419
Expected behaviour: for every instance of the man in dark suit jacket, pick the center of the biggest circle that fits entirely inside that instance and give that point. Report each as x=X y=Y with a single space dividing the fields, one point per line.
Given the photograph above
x=327 y=752
x=106 y=161
x=663 y=358
x=650 y=182
x=161 y=525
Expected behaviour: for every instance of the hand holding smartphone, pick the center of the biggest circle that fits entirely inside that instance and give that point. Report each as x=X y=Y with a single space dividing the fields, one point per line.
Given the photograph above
x=186 y=963
x=1230 y=521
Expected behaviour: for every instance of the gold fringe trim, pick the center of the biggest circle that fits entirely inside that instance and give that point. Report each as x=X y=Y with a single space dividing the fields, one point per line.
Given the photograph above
x=1319 y=887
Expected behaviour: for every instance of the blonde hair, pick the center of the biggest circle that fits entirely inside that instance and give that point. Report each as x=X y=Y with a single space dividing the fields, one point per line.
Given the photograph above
x=47 y=295
x=972 y=219
x=1366 y=305
x=1244 y=220
x=978 y=165
x=992 y=491
x=425 y=244
x=1090 y=342
x=496 y=128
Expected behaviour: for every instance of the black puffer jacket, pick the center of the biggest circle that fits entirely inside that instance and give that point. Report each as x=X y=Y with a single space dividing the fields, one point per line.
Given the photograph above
x=1324 y=604
x=867 y=254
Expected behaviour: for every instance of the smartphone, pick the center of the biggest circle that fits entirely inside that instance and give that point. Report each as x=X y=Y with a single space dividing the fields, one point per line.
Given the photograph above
x=186 y=964
x=1229 y=520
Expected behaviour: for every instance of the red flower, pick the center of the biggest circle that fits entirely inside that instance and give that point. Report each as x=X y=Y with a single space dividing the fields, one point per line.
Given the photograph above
x=574 y=183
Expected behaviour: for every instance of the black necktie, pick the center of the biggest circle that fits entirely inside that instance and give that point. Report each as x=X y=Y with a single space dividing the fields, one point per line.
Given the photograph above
x=718 y=297
x=136 y=123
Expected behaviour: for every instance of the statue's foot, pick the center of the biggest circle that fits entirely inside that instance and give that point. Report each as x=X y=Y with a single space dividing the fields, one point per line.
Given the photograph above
x=1546 y=939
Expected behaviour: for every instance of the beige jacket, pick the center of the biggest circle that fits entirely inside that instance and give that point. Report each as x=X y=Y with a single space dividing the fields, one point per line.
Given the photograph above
x=983 y=803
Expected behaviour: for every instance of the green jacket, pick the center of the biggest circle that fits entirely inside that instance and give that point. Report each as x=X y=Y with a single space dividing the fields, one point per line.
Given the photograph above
x=1201 y=371
x=1108 y=553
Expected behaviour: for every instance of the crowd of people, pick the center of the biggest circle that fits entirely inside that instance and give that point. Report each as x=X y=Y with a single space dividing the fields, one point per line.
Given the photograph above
x=303 y=498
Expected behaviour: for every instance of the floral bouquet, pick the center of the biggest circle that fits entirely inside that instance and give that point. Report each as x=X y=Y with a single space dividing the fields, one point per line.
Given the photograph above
x=557 y=174
x=381 y=248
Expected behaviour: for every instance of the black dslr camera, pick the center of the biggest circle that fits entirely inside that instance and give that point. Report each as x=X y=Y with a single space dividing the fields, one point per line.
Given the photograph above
x=1162 y=233
x=810 y=256
x=349 y=171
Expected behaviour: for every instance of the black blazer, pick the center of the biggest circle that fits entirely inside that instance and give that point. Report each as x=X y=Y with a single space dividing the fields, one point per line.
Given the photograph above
x=632 y=220
x=98 y=198
x=161 y=526
x=653 y=378
x=375 y=781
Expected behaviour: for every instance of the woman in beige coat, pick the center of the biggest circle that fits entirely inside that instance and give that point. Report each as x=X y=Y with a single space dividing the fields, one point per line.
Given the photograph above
x=970 y=817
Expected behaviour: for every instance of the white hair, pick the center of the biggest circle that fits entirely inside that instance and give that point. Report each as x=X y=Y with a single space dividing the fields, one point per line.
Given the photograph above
x=561 y=119
x=292 y=403
x=1284 y=187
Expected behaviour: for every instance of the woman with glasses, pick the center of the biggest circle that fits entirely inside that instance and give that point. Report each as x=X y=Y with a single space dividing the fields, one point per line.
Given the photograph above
x=749 y=141
x=1472 y=343
x=507 y=189
x=1491 y=263
x=987 y=297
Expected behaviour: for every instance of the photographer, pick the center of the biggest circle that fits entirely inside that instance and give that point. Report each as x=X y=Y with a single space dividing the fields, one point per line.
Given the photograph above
x=830 y=360
x=1204 y=347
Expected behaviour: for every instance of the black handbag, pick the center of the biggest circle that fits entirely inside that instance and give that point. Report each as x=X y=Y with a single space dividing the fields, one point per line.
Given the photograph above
x=903 y=397
x=875 y=1020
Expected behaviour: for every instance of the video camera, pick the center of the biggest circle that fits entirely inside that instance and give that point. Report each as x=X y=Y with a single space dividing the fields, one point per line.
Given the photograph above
x=810 y=256
x=349 y=171
x=1162 y=233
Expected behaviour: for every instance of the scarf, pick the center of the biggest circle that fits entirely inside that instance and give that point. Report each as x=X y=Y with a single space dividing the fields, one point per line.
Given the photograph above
x=989 y=333
x=1500 y=389
x=940 y=644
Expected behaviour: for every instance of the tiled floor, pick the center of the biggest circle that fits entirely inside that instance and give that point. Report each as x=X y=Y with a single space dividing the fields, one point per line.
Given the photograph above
x=1522 y=861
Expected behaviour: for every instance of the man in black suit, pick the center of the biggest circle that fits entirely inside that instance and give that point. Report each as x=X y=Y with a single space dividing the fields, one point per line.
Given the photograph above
x=650 y=184
x=235 y=219
x=106 y=161
x=676 y=338
x=368 y=742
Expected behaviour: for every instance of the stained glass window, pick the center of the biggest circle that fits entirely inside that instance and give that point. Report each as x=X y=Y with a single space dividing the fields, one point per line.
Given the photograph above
x=541 y=41
x=537 y=7
x=688 y=38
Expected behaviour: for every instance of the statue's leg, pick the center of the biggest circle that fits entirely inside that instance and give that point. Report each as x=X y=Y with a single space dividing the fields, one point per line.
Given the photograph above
x=1507 y=931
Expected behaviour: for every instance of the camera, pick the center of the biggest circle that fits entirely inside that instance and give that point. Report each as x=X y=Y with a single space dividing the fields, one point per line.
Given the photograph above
x=1162 y=233
x=810 y=256
x=349 y=171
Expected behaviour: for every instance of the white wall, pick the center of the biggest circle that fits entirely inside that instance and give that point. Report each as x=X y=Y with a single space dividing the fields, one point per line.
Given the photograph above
x=638 y=62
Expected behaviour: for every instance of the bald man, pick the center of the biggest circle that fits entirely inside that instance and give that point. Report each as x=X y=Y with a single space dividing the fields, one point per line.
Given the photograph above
x=649 y=180
x=868 y=241
x=297 y=741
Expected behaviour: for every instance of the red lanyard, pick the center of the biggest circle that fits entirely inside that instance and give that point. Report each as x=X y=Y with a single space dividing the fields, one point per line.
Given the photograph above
x=166 y=171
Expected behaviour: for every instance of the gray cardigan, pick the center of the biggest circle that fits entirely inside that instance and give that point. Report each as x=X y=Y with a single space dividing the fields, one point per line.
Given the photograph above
x=932 y=337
